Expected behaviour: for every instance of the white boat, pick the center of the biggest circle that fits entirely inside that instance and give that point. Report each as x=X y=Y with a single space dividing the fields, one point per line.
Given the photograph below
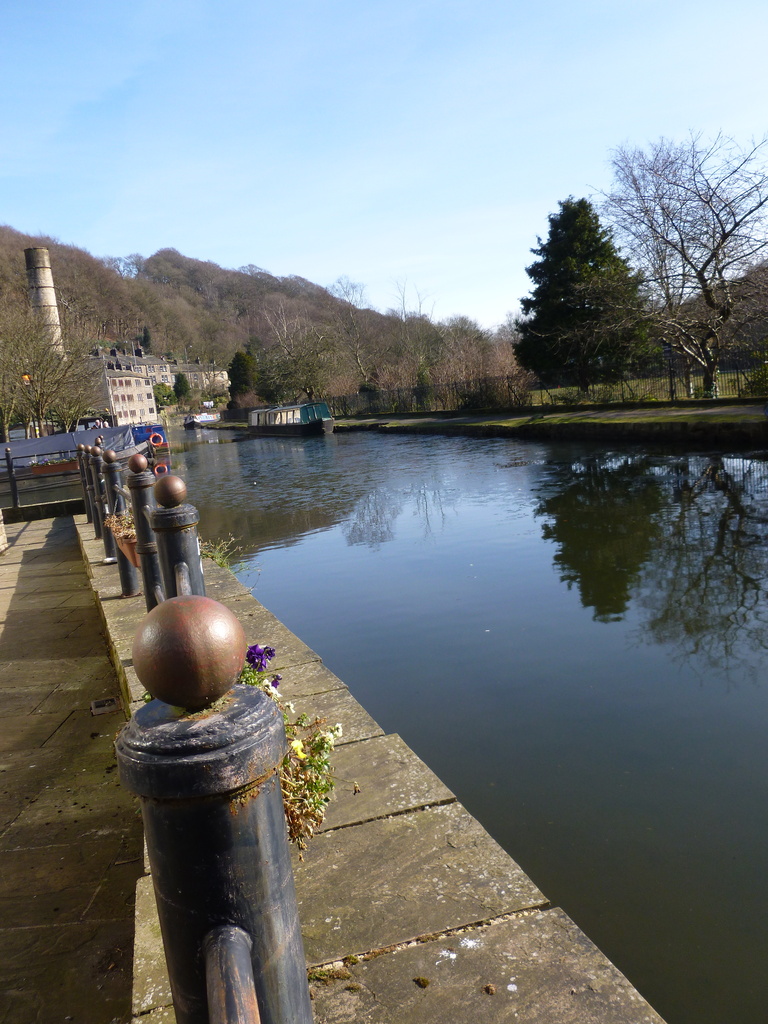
x=198 y=420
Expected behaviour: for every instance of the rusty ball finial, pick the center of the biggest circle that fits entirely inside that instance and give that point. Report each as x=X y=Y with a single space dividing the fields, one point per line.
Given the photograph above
x=137 y=463
x=109 y=455
x=189 y=651
x=81 y=447
x=96 y=451
x=170 y=491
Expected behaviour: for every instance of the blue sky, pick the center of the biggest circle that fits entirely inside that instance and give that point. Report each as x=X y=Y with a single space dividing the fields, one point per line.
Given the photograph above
x=417 y=145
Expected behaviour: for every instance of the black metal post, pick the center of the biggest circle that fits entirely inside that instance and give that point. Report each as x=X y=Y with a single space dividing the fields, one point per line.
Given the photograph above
x=100 y=507
x=12 y=478
x=212 y=807
x=90 y=487
x=82 y=454
x=141 y=482
x=93 y=490
x=129 y=578
x=175 y=526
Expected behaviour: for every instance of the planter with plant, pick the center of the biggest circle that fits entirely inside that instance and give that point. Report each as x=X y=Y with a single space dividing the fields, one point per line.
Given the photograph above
x=306 y=777
x=124 y=531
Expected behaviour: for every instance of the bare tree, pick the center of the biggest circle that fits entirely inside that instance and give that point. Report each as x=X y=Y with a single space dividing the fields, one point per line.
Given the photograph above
x=298 y=357
x=691 y=217
x=37 y=381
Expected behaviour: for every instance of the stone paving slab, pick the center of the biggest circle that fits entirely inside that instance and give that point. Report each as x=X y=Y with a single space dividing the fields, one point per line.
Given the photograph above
x=151 y=987
x=263 y=628
x=85 y=671
x=70 y=841
x=537 y=969
x=21 y=732
x=56 y=884
x=390 y=881
x=69 y=814
x=308 y=678
x=378 y=778
x=221 y=584
x=339 y=706
x=56 y=964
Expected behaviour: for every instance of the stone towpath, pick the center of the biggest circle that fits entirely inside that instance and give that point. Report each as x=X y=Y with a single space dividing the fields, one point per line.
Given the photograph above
x=70 y=839
x=410 y=912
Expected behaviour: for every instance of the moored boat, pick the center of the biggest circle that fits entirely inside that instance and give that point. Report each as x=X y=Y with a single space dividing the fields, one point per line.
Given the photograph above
x=304 y=418
x=198 y=420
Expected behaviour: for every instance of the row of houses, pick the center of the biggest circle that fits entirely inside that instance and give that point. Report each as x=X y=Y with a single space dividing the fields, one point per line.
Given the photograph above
x=128 y=380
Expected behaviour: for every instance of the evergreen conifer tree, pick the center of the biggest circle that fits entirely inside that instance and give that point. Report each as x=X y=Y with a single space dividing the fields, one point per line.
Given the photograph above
x=579 y=323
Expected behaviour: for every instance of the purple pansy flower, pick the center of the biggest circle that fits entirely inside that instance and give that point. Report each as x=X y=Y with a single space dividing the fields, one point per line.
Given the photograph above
x=258 y=656
x=276 y=681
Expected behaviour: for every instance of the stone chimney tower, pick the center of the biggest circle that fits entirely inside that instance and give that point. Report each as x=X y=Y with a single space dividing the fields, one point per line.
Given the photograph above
x=41 y=292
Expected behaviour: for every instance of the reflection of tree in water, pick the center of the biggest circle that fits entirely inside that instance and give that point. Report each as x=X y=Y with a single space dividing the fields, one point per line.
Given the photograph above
x=603 y=518
x=704 y=591
x=685 y=538
x=373 y=521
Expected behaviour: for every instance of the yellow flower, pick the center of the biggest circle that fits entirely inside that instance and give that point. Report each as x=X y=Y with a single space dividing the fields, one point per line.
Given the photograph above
x=298 y=749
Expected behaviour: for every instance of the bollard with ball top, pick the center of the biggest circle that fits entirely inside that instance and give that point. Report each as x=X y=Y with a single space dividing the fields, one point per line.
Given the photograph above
x=82 y=466
x=204 y=759
x=175 y=526
x=87 y=449
x=129 y=578
x=100 y=508
x=12 y=478
x=141 y=482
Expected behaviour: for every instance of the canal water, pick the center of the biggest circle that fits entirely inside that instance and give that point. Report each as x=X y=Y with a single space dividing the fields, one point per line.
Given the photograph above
x=573 y=638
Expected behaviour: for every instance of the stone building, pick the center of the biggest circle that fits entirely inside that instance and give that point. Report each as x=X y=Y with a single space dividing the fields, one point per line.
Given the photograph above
x=128 y=396
x=201 y=376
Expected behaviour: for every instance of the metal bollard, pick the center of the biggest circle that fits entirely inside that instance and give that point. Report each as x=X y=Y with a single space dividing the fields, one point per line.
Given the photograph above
x=129 y=578
x=207 y=778
x=100 y=508
x=82 y=452
x=175 y=526
x=87 y=449
x=12 y=478
x=140 y=482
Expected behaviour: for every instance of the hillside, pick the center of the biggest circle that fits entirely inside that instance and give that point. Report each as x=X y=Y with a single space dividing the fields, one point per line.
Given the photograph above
x=302 y=338
x=185 y=303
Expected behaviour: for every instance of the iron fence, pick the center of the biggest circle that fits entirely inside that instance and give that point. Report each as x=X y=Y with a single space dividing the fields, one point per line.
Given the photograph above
x=670 y=380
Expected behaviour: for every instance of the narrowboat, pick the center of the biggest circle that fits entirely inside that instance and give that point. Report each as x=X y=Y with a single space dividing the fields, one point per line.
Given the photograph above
x=306 y=418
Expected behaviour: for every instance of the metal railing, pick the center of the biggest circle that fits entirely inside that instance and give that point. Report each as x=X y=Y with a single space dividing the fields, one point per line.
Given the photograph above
x=31 y=471
x=206 y=771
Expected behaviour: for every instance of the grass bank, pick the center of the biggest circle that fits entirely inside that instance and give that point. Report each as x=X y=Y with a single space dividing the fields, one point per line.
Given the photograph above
x=726 y=422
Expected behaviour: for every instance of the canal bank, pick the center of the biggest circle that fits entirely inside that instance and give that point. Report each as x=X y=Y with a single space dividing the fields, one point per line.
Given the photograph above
x=410 y=911
x=727 y=422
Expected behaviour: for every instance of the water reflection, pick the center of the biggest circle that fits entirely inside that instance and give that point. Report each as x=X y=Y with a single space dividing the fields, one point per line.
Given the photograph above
x=536 y=622
x=603 y=518
x=684 y=537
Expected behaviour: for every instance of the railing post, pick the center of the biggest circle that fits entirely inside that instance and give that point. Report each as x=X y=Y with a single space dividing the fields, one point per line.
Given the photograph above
x=12 y=478
x=129 y=579
x=206 y=771
x=229 y=976
x=141 y=482
x=100 y=508
x=82 y=451
x=87 y=449
x=175 y=526
x=93 y=489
